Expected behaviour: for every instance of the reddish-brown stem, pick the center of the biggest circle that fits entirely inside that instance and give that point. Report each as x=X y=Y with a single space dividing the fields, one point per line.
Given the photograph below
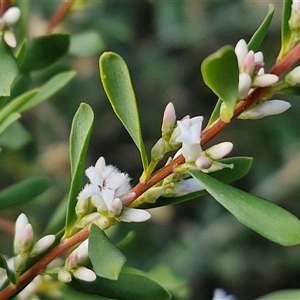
x=59 y=15
x=31 y=273
x=5 y=4
x=7 y=226
x=279 y=68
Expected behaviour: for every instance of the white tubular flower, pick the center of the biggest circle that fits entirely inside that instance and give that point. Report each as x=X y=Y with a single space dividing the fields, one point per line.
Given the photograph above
x=268 y=108
x=107 y=190
x=189 y=136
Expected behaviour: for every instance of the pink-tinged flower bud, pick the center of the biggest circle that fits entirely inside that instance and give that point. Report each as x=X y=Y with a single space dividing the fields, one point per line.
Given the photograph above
x=42 y=245
x=219 y=151
x=203 y=162
x=265 y=80
x=169 y=119
x=241 y=50
x=293 y=77
x=245 y=82
x=128 y=198
x=84 y=274
x=64 y=276
x=248 y=64
x=268 y=108
x=116 y=206
x=20 y=224
x=100 y=164
x=72 y=261
x=27 y=237
x=11 y=16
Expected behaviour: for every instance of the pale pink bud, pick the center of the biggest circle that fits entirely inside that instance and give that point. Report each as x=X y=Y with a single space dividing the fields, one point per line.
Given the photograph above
x=265 y=80
x=220 y=150
x=11 y=16
x=116 y=206
x=85 y=274
x=72 y=261
x=100 y=164
x=27 y=237
x=245 y=82
x=203 y=162
x=248 y=64
x=64 y=276
x=169 y=119
x=42 y=244
x=128 y=198
x=241 y=50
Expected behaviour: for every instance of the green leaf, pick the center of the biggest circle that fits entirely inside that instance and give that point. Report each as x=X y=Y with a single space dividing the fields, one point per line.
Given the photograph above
x=13 y=117
x=221 y=74
x=10 y=274
x=281 y=295
x=53 y=85
x=79 y=140
x=118 y=87
x=132 y=284
x=43 y=51
x=260 y=33
x=23 y=191
x=107 y=260
x=241 y=167
x=15 y=137
x=9 y=69
x=80 y=40
x=260 y=215
x=215 y=114
x=285 y=28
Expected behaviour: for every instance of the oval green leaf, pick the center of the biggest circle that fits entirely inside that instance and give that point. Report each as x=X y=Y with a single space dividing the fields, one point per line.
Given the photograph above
x=131 y=285
x=43 y=51
x=117 y=84
x=221 y=74
x=107 y=260
x=23 y=191
x=282 y=295
x=8 y=70
x=79 y=140
x=260 y=215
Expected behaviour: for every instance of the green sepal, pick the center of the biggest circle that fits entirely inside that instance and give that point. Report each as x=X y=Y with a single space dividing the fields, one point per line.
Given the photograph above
x=117 y=84
x=260 y=215
x=79 y=140
x=10 y=274
x=107 y=260
x=220 y=73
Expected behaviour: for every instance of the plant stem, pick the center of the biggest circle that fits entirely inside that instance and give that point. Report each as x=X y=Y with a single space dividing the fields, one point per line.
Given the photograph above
x=60 y=15
x=278 y=69
x=4 y=5
x=36 y=269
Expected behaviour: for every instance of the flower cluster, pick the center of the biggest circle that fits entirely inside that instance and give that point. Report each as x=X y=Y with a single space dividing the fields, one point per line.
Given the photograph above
x=104 y=200
x=24 y=247
x=7 y=20
x=72 y=265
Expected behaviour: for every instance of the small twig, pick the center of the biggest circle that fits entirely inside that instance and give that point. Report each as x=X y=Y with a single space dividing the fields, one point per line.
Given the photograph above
x=4 y=5
x=59 y=15
x=279 y=68
x=36 y=269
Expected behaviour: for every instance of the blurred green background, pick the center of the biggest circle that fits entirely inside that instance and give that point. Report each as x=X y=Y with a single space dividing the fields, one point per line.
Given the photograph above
x=163 y=43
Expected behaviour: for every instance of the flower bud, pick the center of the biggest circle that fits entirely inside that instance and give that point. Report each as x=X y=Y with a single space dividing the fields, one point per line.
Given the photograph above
x=203 y=162
x=241 y=50
x=27 y=237
x=85 y=274
x=20 y=224
x=72 y=261
x=19 y=263
x=134 y=215
x=158 y=150
x=220 y=150
x=11 y=16
x=244 y=86
x=82 y=251
x=265 y=80
x=42 y=245
x=9 y=38
x=64 y=276
x=169 y=119
x=268 y=108
x=293 y=77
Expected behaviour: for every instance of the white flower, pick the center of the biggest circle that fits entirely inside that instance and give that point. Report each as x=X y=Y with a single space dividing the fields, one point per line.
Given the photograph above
x=169 y=119
x=9 y=18
x=20 y=224
x=189 y=136
x=106 y=188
